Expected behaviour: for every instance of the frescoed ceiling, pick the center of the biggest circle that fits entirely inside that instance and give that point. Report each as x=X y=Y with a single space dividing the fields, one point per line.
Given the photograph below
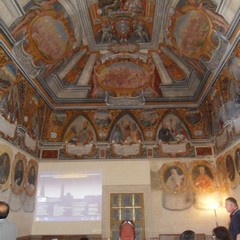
x=110 y=78
x=151 y=52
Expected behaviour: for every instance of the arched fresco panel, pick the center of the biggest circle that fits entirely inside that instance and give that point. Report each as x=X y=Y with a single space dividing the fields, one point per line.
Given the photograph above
x=126 y=137
x=172 y=137
x=80 y=137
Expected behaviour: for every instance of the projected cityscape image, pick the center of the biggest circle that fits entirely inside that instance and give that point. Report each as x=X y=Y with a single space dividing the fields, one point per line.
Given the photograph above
x=76 y=197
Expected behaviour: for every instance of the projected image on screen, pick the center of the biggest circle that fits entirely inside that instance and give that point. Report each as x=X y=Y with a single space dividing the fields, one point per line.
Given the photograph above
x=69 y=197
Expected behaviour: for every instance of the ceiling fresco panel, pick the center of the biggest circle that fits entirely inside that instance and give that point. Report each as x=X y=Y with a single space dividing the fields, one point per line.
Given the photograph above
x=121 y=21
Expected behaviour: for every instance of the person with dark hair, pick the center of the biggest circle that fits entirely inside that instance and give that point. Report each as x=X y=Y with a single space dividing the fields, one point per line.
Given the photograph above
x=187 y=235
x=221 y=233
x=8 y=230
x=231 y=206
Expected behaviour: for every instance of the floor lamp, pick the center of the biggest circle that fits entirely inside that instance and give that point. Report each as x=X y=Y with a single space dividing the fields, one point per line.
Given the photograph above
x=215 y=214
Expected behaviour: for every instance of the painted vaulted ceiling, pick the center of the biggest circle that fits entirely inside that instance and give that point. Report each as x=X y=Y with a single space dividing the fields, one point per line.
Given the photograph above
x=121 y=65
x=154 y=52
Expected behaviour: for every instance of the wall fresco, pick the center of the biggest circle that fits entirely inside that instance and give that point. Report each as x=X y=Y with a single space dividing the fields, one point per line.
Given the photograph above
x=225 y=108
x=16 y=95
x=110 y=127
x=186 y=185
x=18 y=179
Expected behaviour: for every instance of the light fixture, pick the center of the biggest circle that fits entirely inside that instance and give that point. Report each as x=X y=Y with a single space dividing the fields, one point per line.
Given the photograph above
x=214 y=204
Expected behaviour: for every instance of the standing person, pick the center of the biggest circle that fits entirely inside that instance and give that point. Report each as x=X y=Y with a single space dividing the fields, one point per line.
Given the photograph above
x=187 y=235
x=221 y=233
x=231 y=206
x=8 y=230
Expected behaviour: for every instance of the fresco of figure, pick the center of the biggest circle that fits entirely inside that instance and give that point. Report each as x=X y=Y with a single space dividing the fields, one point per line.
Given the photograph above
x=84 y=135
x=175 y=180
x=133 y=6
x=4 y=168
x=203 y=181
x=19 y=173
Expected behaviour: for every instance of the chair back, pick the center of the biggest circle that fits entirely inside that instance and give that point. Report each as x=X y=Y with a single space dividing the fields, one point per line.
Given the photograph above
x=127 y=230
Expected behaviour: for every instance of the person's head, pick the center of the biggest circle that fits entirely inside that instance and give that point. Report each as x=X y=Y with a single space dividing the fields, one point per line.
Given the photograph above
x=4 y=210
x=221 y=233
x=174 y=172
x=231 y=204
x=187 y=235
x=202 y=170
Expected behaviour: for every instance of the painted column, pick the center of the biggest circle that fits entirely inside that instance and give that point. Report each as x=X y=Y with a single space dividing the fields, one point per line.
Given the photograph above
x=87 y=71
x=165 y=78
x=71 y=64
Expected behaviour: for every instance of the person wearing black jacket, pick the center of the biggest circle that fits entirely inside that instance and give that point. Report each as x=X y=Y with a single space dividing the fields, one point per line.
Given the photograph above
x=231 y=206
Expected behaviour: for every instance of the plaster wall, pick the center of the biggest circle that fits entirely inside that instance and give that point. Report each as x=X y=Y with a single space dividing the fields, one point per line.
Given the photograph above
x=134 y=176
x=115 y=176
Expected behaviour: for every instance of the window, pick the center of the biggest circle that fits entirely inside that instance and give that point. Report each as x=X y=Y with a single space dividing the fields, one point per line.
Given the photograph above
x=127 y=206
